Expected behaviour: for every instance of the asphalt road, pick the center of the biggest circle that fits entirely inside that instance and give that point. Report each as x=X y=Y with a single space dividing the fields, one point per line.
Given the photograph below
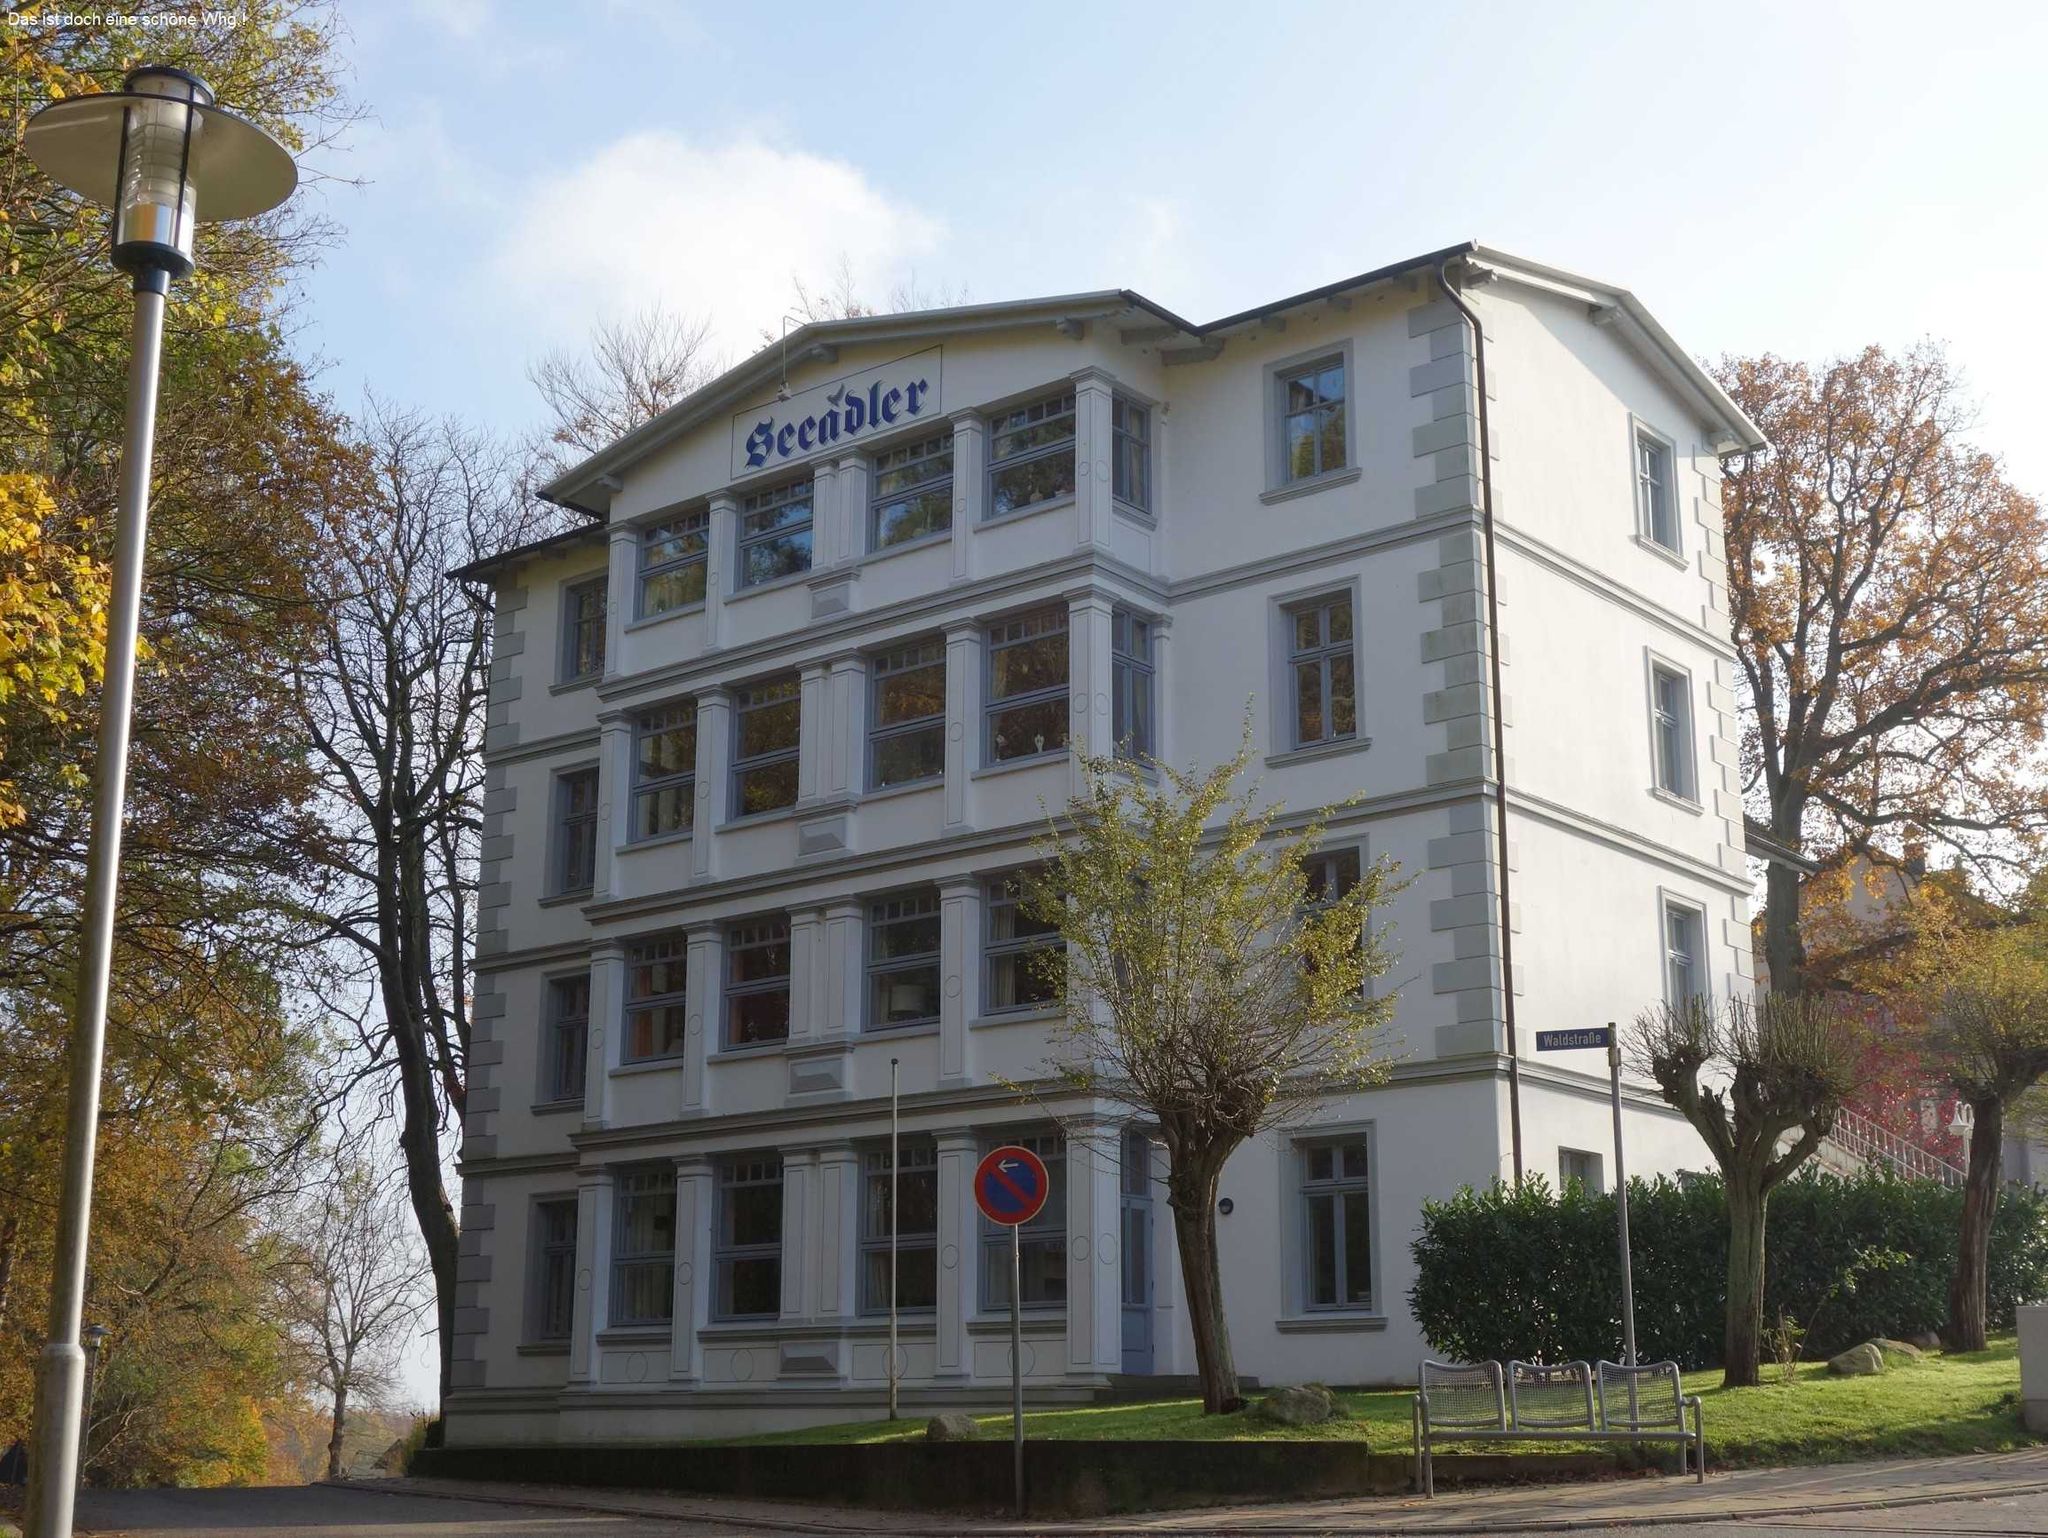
x=317 y=1512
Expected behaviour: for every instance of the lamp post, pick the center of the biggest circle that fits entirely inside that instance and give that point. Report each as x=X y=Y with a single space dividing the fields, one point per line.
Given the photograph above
x=162 y=157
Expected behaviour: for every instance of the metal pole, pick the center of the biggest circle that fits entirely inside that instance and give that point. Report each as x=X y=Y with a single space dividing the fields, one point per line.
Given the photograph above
x=1016 y=1371
x=60 y=1376
x=894 y=1187
x=1628 y=1281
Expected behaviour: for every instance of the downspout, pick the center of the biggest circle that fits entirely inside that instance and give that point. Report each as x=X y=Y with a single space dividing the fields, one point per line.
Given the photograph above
x=1500 y=756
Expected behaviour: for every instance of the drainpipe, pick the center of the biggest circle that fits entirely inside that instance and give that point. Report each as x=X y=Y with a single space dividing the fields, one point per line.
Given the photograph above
x=1500 y=759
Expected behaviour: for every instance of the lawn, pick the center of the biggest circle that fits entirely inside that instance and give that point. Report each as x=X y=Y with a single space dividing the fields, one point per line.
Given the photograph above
x=1945 y=1404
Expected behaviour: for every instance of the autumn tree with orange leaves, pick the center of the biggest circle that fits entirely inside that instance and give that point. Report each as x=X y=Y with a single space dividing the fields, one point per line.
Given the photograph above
x=1890 y=609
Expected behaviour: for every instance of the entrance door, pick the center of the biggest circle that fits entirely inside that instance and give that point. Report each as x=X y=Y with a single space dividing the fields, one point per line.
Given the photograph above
x=1137 y=1256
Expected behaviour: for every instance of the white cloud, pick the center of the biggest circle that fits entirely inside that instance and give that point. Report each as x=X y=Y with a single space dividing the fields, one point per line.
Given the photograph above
x=708 y=230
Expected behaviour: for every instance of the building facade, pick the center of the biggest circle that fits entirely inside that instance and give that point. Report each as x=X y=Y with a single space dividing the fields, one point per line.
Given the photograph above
x=772 y=733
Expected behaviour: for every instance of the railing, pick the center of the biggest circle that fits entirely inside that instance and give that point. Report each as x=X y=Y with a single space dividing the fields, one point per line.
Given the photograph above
x=1867 y=1142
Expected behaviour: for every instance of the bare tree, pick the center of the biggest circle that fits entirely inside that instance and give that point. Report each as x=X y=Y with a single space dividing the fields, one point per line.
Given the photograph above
x=1215 y=981
x=1762 y=1083
x=393 y=705
x=353 y=1288
x=1988 y=1037
x=631 y=371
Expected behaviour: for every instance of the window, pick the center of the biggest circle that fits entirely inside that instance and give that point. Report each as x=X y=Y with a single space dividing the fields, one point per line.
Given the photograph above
x=1577 y=1164
x=903 y=960
x=1332 y=874
x=775 y=534
x=1312 y=419
x=665 y=770
x=644 y=1245
x=1320 y=658
x=917 y=1227
x=1131 y=696
x=554 y=1269
x=657 y=981
x=568 y=1037
x=673 y=554
x=1671 y=728
x=767 y=722
x=912 y=494
x=575 y=830
x=1023 y=953
x=1130 y=464
x=1027 y=685
x=748 y=1251
x=907 y=715
x=1683 y=978
x=1041 y=1243
x=757 y=981
x=583 y=608
x=1655 y=510
x=1031 y=455
x=1336 y=1198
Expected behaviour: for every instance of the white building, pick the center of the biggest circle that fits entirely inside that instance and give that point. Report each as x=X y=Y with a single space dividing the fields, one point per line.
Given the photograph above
x=767 y=734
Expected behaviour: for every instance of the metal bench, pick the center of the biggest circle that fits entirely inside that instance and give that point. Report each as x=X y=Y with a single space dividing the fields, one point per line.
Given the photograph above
x=1553 y=1402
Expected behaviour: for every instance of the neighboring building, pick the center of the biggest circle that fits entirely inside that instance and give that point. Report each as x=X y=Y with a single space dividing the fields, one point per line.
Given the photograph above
x=769 y=736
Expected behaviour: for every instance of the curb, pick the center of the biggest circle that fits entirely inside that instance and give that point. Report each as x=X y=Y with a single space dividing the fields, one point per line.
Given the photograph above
x=1161 y=1524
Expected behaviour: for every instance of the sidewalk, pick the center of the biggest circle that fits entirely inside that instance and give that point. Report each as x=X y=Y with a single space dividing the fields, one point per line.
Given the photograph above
x=1745 y=1495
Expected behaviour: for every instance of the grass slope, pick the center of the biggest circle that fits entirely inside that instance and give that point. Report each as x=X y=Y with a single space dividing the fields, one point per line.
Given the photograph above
x=1945 y=1404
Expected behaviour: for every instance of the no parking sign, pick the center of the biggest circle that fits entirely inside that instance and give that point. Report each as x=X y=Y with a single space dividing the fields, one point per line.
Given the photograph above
x=1010 y=1185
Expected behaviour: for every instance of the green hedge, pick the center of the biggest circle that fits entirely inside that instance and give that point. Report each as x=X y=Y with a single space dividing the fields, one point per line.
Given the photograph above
x=1505 y=1273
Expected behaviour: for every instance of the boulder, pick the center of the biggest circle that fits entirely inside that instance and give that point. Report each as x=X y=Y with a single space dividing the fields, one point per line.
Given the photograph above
x=1897 y=1353
x=952 y=1426
x=1926 y=1340
x=1305 y=1404
x=1857 y=1362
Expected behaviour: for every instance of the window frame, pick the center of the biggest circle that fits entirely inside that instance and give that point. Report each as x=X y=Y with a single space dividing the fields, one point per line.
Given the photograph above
x=1685 y=750
x=884 y=665
x=725 y=1253
x=744 y=702
x=649 y=788
x=770 y=499
x=1128 y=666
x=992 y=706
x=1324 y=654
x=876 y=969
x=1048 y=1230
x=1280 y=475
x=1067 y=405
x=677 y=999
x=918 y=1155
x=774 y=930
x=994 y=895
x=1641 y=436
x=1668 y=904
x=1342 y=1187
x=540 y=1247
x=574 y=622
x=623 y=1192
x=681 y=526
x=933 y=486
x=1124 y=432
x=573 y=829
x=1597 y=1186
x=559 y=1025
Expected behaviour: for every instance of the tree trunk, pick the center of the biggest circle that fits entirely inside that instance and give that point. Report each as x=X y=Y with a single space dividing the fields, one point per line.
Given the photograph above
x=1193 y=1198
x=1742 y=1341
x=1967 y=1302
x=1784 y=950
x=334 y=1436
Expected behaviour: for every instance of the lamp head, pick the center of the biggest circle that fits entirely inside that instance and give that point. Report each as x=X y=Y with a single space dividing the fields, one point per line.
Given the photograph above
x=163 y=157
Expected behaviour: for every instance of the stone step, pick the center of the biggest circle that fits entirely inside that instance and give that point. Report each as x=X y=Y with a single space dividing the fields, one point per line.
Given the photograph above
x=1128 y=1387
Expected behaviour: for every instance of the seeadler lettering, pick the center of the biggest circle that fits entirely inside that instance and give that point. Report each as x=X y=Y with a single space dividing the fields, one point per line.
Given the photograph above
x=846 y=416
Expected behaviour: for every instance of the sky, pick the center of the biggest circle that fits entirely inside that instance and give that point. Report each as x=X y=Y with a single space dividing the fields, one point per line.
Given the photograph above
x=1803 y=178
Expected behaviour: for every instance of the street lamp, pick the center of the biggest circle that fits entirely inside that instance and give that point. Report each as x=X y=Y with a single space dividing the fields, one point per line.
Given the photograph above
x=163 y=158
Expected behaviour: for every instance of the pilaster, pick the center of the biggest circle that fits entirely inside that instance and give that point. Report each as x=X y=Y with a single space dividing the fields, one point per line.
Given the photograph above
x=1088 y=681
x=1093 y=436
x=1094 y=1220
x=607 y=1029
x=963 y=723
x=714 y=754
x=622 y=592
x=720 y=555
x=970 y=489
x=614 y=798
x=693 y=1270
x=702 y=1027
x=959 y=991
x=959 y=1255
x=593 y=1294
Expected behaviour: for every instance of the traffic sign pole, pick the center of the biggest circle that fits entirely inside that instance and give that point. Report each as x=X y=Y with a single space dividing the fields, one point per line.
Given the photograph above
x=1628 y=1280
x=1016 y=1370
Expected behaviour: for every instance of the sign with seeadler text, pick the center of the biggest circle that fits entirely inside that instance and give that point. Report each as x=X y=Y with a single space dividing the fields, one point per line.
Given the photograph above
x=840 y=412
